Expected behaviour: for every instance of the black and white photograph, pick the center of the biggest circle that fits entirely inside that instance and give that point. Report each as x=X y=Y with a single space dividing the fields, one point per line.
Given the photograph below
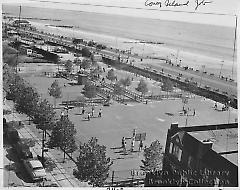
x=119 y=93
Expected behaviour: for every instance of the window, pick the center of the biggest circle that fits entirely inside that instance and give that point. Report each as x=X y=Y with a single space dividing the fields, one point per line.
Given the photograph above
x=177 y=152
x=189 y=161
x=179 y=155
x=170 y=148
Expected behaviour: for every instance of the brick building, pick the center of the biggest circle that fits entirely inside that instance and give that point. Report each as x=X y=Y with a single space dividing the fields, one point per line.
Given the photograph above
x=199 y=156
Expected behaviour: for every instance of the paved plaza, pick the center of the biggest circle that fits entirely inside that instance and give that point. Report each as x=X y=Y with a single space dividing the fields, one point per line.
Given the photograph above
x=119 y=120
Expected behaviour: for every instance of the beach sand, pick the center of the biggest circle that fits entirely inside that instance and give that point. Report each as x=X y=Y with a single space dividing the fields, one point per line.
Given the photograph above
x=194 y=44
x=187 y=58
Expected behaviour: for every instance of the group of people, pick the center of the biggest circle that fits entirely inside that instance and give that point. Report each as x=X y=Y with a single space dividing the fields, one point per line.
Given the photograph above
x=225 y=107
x=91 y=114
x=133 y=139
x=186 y=111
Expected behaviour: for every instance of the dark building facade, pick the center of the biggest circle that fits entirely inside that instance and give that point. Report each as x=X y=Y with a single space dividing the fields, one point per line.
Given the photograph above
x=191 y=162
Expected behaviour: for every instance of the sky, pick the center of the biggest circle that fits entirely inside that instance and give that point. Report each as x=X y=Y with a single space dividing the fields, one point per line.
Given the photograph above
x=142 y=8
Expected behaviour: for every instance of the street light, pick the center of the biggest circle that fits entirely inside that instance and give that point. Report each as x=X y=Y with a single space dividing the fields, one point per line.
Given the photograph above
x=62 y=117
x=221 y=69
x=43 y=145
x=203 y=67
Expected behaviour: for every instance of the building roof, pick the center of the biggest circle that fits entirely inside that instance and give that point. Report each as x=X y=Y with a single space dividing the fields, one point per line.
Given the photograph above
x=223 y=140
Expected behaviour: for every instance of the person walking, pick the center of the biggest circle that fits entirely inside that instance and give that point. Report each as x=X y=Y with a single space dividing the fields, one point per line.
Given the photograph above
x=140 y=146
x=83 y=111
x=88 y=116
x=100 y=113
x=92 y=111
x=194 y=112
x=132 y=144
x=124 y=145
x=123 y=142
x=134 y=133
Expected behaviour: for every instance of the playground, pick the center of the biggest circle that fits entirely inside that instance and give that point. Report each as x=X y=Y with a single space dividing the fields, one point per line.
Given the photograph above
x=119 y=120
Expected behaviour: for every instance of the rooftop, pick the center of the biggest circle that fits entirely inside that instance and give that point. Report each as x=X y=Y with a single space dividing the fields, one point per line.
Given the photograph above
x=224 y=140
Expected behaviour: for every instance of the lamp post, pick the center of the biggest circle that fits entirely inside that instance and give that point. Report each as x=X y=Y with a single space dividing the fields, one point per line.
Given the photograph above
x=203 y=67
x=221 y=69
x=43 y=146
x=62 y=117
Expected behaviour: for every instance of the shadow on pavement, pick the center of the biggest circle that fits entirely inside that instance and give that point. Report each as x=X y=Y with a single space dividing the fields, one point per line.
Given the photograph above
x=6 y=112
x=116 y=147
x=29 y=142
x=11 y=155
x=49 y=165
x=16 y=124
x=19 y=171
x=169 y=114
x=22 y=173
x=11 y=167
x=121 y=151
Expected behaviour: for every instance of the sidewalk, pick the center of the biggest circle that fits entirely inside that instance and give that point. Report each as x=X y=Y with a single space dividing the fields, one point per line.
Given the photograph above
x=58 y=175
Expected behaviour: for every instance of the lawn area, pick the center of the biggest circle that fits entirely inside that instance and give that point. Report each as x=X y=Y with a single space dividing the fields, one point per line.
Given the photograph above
x=119 y=120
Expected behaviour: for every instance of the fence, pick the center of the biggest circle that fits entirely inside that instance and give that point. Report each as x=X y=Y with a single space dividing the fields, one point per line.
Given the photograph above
x=126 y=178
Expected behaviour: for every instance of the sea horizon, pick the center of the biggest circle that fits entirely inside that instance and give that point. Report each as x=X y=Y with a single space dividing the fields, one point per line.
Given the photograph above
x=209 y=41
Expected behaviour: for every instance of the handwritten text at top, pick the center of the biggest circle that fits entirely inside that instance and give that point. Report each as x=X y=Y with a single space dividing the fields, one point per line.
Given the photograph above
x=177 y=3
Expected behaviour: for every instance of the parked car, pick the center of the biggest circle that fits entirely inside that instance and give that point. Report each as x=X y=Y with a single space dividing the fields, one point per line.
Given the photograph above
x=35 y=169
x=22 y=150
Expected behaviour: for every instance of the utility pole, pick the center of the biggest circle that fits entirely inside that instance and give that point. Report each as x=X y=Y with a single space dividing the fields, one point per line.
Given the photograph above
x=43 y=146
x=18 y=32
x=203 y=67
x=221 y=70
x=113 y=177
x=234 y=44
x=63 y=140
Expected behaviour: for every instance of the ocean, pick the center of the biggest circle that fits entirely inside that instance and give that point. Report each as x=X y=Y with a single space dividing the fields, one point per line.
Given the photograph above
x=212 y=42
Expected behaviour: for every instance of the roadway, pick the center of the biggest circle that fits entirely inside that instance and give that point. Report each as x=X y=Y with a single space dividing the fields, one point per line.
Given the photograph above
x=199 y=77
x=213 y=83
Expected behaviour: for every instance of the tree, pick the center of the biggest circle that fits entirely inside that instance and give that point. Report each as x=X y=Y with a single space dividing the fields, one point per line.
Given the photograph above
x=111 y=75
x=10 y=59
x=63 y=136
x=81 y=99
x=11 y=81
x=68 y=66
x=90 y=91
x=126 y=82
x=86 y=63
x=142 y=87
x=86 y=52
x=55 y=91
x=167 y=86
x=26 y=100
x=153 y=157
x=95 y=73
x=92 y=163
x=44 y=115
x=118 y=90
x=9 y=55
x=78 y=62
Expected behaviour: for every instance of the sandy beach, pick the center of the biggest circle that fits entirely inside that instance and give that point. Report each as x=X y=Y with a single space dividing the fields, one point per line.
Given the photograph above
x=187 y=58
x=191 y=44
